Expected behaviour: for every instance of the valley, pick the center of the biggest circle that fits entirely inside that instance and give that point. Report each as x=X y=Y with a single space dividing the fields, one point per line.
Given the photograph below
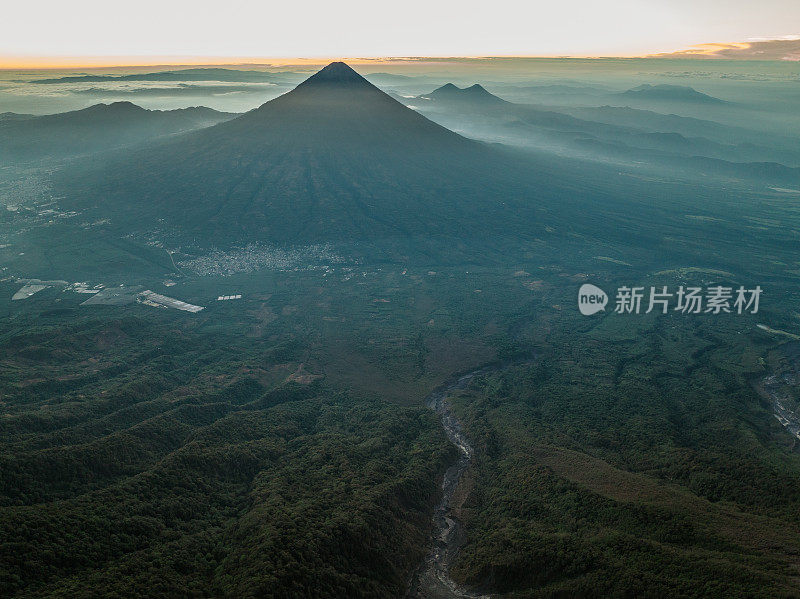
x=339 y=399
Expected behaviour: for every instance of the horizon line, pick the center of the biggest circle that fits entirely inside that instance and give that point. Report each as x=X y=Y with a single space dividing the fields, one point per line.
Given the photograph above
x=92 y=62
x=703 y=51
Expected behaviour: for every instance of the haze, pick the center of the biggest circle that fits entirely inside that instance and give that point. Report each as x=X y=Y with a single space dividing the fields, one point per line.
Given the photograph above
x=355 y=28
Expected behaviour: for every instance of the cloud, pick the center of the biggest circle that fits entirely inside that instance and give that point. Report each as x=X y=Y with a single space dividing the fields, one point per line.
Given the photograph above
x=783 y=48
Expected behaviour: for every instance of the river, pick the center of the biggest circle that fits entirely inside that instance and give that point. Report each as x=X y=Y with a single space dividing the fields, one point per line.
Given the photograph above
x=432 y=579
x=780 y=385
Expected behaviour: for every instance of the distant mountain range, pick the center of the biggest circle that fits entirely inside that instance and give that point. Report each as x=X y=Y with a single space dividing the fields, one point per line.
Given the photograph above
x=200 y=74
x=335 y=158
x=98 y=128
x=13 y=116
x=179 y=90
x=619 y=133
x=474 y=95
x=670 y=93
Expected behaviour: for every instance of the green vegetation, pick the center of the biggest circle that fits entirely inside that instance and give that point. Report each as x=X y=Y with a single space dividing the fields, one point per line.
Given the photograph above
x=632 y=462
x=278 y=446
x=166 y=461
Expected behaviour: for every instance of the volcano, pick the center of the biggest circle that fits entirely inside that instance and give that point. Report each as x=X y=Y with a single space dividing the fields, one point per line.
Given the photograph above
x=335 y=158
x=474 y=95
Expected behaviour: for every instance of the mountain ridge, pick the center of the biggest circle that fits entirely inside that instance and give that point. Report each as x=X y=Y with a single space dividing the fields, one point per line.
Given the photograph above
x=97 y=128
x=673 y=93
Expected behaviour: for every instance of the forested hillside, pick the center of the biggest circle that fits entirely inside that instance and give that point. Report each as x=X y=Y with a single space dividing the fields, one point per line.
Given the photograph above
x=139 y=459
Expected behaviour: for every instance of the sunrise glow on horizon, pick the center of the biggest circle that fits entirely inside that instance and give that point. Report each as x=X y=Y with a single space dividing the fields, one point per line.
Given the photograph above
x=82 y=34
x=11 y=62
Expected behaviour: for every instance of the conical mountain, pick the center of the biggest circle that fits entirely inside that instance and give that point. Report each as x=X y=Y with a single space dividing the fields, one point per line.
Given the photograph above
x=337 y=107
x=334 y=159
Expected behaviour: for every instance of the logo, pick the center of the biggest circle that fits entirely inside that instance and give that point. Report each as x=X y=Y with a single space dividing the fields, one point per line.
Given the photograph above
x=714 y=299
x=591 y=299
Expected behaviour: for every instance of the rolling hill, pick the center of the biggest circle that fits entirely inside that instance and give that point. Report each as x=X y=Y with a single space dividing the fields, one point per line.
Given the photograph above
x=98 y=128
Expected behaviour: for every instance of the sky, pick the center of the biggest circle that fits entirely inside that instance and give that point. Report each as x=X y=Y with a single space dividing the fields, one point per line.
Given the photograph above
x=99 y=31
